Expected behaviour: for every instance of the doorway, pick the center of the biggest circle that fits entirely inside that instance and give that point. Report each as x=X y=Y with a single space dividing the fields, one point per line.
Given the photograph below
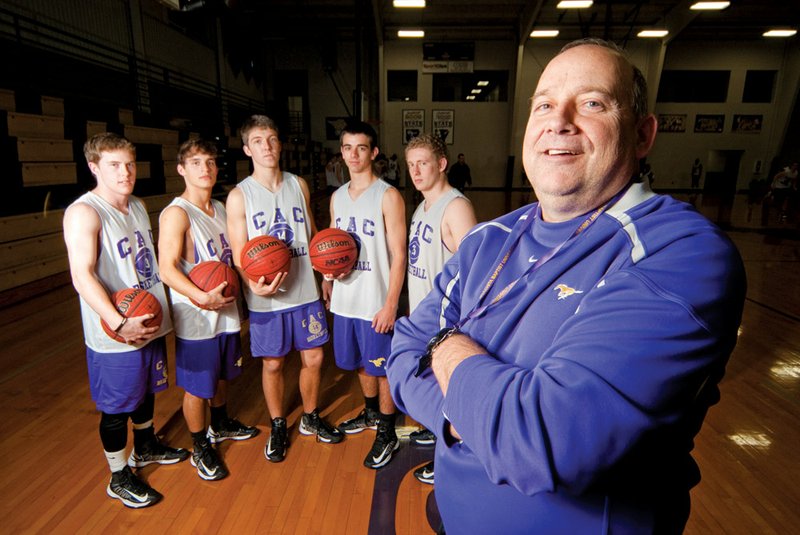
x=719 y=188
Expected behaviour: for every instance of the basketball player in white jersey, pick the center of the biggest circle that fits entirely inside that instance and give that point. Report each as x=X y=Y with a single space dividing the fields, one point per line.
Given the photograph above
x=364 y=302
x=110 y=247
x=192 y=229
x=439 y=223
x=287 y=313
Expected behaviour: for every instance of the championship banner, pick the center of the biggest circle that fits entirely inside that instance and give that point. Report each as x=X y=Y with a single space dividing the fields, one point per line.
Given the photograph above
x=443 y=124
x=413 y=124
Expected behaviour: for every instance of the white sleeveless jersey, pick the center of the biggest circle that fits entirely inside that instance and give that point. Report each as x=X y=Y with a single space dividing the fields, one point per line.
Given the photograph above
x=210 y=243
x=282 y=215
x=427 y=252
x=362 y=293
x=126 y=259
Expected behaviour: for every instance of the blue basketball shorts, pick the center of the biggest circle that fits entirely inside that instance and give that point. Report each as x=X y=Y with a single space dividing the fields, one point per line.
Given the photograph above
x=273 y=334
x=200 y=364
x=119 y=381
x=357 y=345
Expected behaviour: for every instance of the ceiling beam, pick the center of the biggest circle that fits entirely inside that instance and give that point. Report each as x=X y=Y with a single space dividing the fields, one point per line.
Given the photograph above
x=528 y=19
x=376 y=12
x=678 y=18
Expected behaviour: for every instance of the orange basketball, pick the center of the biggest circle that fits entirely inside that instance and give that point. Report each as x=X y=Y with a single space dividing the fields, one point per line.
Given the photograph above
x=265 y=256
x=333 y=251
x=133 y=302
x=210 y=274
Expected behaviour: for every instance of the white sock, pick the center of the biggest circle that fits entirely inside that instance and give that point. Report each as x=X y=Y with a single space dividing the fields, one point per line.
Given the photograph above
x=116 y=460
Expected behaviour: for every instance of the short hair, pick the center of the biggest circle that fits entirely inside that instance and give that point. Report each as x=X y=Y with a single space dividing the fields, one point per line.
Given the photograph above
x=105 y=142
x=639 y=95
x=257 y=121
x=360 y=127
x=435 y=144
x=194 y=146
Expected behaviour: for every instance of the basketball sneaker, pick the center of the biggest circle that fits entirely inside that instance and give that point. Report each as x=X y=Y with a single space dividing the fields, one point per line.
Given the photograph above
x=383 y=448
x=424 y=473
x=312 y=424
x=231 y=429
x=423 y=437
x=366 y=419
x=275 y=451
x=132 y=491
x=156 y=452
x=209 y=466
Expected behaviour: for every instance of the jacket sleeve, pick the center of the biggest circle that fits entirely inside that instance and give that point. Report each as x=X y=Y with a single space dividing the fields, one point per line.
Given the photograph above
x=630 y=364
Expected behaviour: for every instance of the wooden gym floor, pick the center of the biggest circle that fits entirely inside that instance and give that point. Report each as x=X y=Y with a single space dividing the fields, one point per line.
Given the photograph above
x=54 y=473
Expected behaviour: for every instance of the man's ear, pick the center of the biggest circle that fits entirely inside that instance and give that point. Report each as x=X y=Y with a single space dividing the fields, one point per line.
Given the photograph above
x=645 y=135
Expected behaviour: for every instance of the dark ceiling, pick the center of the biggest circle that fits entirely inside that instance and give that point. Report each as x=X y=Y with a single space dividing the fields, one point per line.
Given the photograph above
x=617 y=20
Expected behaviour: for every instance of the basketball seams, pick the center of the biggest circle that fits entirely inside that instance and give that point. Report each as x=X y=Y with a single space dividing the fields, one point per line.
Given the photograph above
x=141 y=303
x=209 y=274
x=265 y=256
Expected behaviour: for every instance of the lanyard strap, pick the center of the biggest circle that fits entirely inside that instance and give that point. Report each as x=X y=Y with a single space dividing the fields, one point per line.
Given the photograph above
x=480 y=308
x=425 y=359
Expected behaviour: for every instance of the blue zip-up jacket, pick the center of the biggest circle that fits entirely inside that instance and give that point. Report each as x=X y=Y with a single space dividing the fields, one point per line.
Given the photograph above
x=600 y=368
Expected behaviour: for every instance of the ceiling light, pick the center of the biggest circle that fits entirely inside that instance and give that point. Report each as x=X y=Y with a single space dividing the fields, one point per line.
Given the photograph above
x=544 y=33
x=475 y=91
x=709 y=6
x=574 y=4
x=780 y=33
x=470 y=97
x=652 y=33
x=410 y=33
x=483 y=83
x=408 y=3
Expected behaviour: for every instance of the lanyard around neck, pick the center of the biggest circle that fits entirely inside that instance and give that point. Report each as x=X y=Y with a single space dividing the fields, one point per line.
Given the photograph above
x=480 y=308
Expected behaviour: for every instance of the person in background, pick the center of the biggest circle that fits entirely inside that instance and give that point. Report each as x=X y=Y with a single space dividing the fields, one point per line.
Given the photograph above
x=459 y=174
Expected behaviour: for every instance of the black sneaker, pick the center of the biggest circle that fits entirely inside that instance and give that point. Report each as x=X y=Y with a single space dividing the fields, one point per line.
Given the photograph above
x=424 y=473
x=231 y=429
x=312 y=424
x=275 y=451
x=132 y=491
x=366 y=419
x=209 y=466
x=385 y=445
x=156 y=452
x=423 y=437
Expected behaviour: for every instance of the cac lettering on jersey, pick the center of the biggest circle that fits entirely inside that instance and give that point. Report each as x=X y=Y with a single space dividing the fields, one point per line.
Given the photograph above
x=221 y=250
x=124 y=245
x=366 y=227
x=260 y=219
x=424 y=232
x=143 y=258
